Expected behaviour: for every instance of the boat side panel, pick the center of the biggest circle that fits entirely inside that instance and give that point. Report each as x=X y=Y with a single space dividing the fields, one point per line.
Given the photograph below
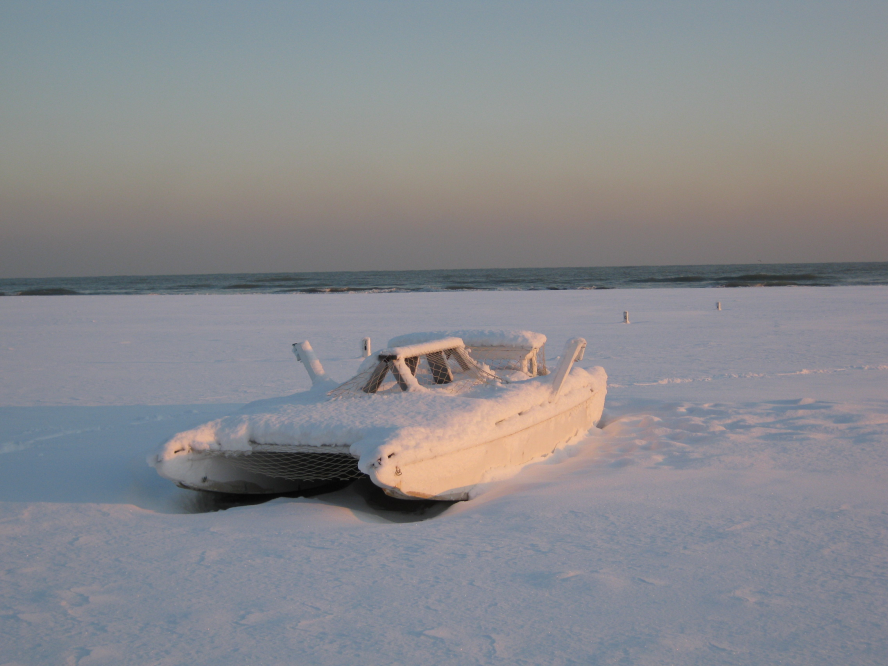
x=452 y=476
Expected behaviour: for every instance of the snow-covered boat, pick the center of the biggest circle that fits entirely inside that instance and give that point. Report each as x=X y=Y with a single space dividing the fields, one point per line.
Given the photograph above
x=430 y=417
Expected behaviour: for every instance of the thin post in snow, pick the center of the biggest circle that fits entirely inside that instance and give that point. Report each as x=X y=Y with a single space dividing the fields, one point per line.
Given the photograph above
x=365 y=347
x=718 y=305
x=625 y=317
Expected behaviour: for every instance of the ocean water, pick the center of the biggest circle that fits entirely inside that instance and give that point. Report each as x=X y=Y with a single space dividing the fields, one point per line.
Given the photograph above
x=495 y=279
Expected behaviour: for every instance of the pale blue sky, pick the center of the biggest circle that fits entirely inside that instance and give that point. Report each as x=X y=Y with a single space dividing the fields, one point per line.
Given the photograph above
x=220 y=136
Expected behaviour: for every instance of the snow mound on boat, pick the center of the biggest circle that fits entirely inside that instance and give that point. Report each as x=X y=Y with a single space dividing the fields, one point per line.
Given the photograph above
x=481 y=338
x=410 y=425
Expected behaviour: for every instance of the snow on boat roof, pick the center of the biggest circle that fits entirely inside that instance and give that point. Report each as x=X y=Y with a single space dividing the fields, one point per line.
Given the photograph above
x=475 y=338
x=424 y=347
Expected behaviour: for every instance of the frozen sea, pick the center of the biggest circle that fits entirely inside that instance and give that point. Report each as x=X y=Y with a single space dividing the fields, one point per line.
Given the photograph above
x=733 y=508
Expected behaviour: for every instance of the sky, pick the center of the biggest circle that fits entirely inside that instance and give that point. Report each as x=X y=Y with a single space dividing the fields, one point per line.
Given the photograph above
x=211 y=137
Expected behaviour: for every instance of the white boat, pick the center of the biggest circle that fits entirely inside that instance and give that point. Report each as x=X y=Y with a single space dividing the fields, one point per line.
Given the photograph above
x=432 y=416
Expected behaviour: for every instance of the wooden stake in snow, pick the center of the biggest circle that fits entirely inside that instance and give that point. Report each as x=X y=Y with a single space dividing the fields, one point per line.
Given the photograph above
x=625 y=317
x=718 y=305
x=365 y=347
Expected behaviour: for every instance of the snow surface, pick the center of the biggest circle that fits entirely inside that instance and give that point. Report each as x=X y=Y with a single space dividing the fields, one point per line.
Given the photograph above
x=733 y=509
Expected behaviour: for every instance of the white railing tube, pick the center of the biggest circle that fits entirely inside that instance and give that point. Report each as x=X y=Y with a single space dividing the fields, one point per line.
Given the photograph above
x=573 y=351
x=305 y=354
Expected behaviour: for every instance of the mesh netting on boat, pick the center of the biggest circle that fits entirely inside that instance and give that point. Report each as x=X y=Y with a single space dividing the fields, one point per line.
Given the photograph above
x=299 y=465
x=451 y=370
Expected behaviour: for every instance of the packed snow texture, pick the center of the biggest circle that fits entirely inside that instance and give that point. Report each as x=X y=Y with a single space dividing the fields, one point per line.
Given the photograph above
x=732 y=509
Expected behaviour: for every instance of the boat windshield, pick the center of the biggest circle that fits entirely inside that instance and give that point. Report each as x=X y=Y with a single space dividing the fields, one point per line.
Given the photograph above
x=446 y=366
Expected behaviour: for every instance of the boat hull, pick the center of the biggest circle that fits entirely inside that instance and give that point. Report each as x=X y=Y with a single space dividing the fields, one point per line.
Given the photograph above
x=453 y=476
x=450 y=476
x=232 y=473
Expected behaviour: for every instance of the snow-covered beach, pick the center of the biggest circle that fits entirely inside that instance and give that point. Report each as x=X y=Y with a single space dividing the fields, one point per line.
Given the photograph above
x=732 y=510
